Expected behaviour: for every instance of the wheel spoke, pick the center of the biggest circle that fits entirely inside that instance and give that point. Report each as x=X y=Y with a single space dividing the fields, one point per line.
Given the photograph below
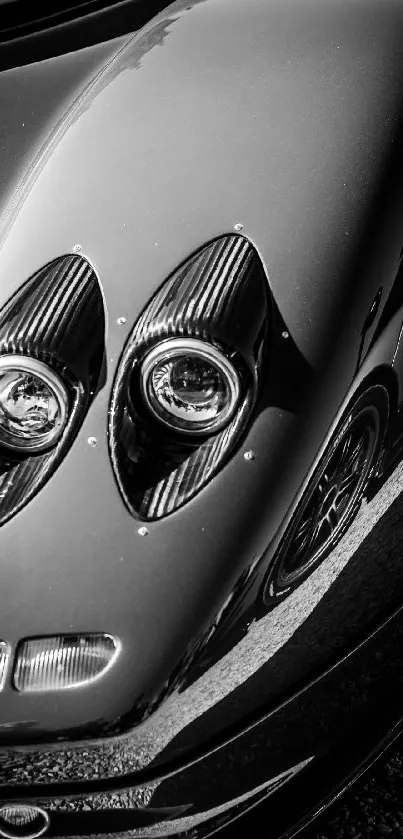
x=313 y=537
x=344 y=451
x=353 y=459
x=347 y=484
x=324 y=481
x=301 y=551
x=332 y=518
x=306 y=542
x=303 y=528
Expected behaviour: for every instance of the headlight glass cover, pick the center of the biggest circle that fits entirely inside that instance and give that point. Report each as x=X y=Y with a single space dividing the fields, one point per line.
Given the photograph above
x=63 y=661
x=190 y=385
x=33 y=404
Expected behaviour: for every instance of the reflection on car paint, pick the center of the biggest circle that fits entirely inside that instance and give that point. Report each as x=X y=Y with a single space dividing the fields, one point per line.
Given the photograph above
x=210 y=675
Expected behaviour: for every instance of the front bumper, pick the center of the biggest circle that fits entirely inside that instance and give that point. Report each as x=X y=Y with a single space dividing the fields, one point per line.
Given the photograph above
x=303 y=750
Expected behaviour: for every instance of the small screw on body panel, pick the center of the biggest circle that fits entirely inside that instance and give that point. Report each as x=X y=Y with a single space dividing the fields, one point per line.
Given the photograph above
x=143 y=531
x=238 y=227
x=285 y=334
x=250 y=455
x=92 y=441
x=77 y=248
x=121 y=321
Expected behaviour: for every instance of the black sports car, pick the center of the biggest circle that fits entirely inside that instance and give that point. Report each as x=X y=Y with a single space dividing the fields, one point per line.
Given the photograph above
x=201 y=390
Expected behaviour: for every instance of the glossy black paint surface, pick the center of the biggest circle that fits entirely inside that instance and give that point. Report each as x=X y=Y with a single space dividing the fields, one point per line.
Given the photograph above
x=32 y=32
x=283 y=117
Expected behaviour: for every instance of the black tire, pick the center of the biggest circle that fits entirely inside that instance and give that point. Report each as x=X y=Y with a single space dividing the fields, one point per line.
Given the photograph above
x=333 y=496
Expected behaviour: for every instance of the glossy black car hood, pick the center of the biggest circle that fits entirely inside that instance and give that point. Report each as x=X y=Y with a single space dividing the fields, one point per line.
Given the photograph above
x=278 y=117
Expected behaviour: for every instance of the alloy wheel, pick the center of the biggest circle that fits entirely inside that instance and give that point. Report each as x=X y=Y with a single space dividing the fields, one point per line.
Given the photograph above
x=330 y=503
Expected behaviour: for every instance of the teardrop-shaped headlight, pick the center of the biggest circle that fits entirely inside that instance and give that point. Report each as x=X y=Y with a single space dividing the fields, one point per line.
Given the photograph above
x=33 y=404
x=190 y=385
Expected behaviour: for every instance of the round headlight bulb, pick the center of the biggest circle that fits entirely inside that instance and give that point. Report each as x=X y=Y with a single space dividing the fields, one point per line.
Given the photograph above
x=33 y=404
x=190 y=385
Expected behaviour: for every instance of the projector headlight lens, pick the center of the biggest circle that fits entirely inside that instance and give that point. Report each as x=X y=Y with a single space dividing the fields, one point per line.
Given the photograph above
x=190 y=385
x=33 y=404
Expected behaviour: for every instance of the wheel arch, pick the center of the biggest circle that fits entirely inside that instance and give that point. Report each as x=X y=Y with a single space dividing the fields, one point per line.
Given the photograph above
x=385 y=377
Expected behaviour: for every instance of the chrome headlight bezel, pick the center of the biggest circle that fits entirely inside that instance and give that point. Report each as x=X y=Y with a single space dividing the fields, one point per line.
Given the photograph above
x=173 y=349
x=26 y=442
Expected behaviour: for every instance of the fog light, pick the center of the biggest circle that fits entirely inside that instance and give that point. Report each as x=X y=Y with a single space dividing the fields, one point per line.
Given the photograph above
x=190 y=385
x=33 y=404
x=63 y=661
x=21 y=820
x=4 y=660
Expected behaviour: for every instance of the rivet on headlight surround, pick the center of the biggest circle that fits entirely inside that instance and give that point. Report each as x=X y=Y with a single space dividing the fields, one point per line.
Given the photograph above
x=63 y=661
x=23 y=821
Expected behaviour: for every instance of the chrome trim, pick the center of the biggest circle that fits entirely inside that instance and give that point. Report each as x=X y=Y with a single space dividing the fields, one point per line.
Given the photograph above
x=27 y=364
x=175 y=347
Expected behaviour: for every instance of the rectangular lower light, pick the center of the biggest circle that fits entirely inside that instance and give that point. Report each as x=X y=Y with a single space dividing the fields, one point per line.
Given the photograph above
x=63 y=661
x=4 y=660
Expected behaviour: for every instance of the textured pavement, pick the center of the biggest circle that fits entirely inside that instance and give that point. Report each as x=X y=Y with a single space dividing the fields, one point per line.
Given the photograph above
x=373 y=807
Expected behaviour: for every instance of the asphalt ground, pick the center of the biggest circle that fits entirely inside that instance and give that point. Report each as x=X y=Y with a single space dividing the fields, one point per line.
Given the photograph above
x=372 y=807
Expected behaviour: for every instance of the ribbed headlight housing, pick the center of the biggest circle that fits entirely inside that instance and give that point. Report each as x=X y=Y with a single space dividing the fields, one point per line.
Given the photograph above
x=33 y=404
x=190 y=385
x=193 y=363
